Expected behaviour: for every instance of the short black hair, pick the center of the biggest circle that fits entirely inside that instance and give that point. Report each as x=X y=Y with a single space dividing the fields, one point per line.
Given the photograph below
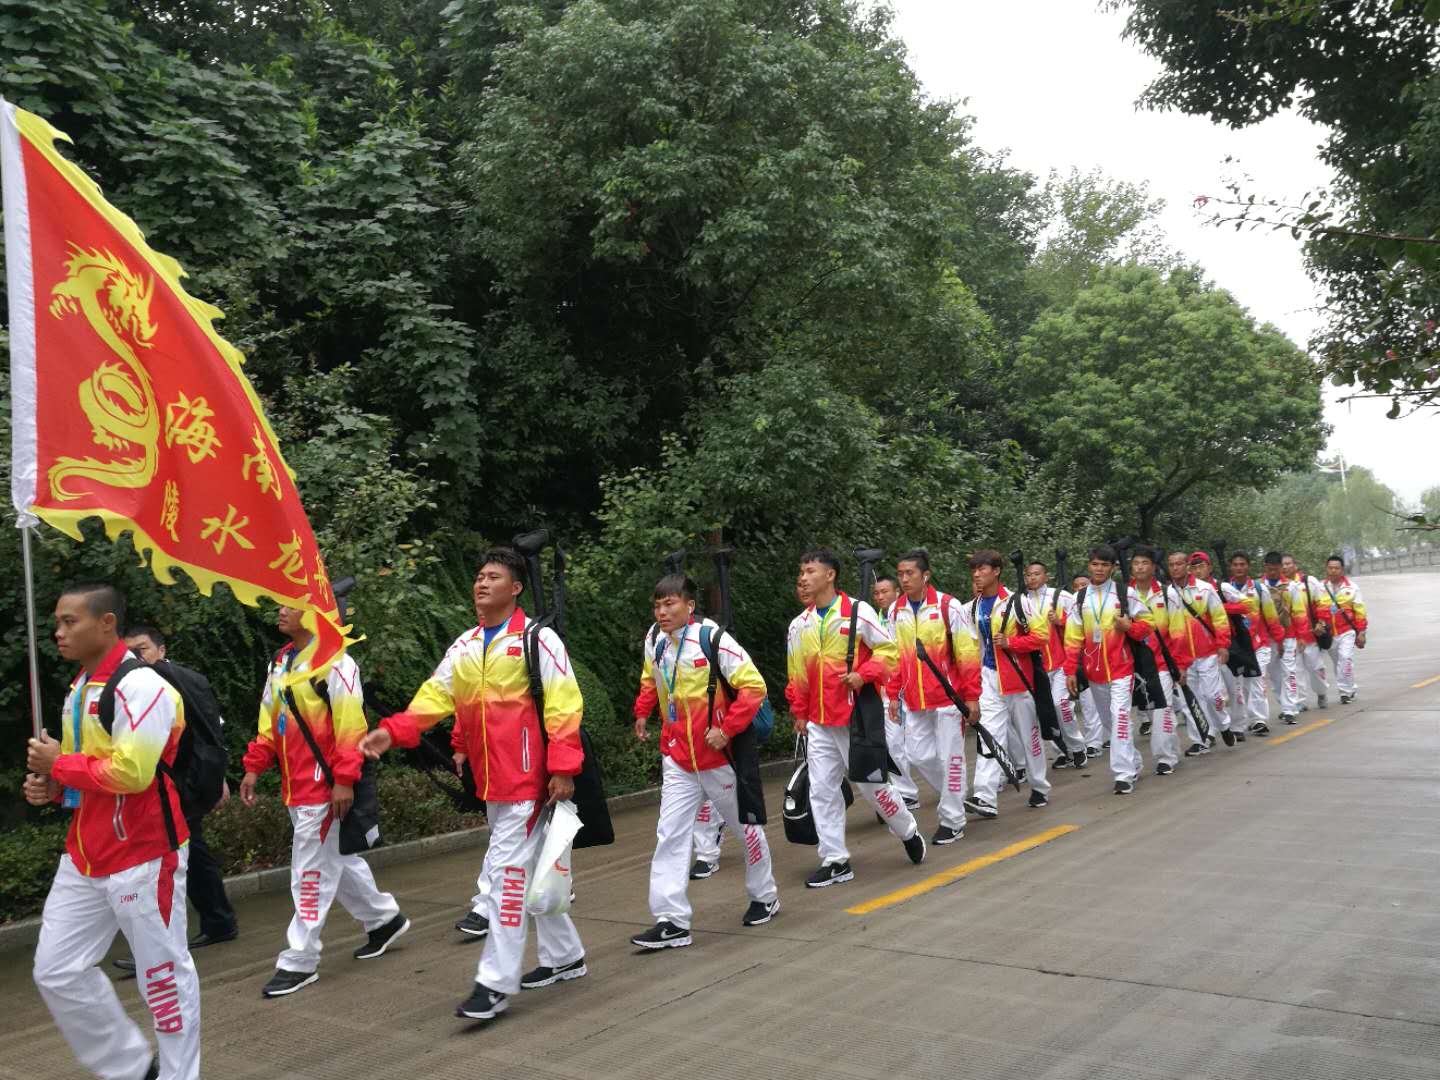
x=1336 y=558
x=919 y=556
x=1145 y=551
x=1037 y=562
x=507 y=557
x=146 y=630
x=101 y=598
x=1104 y=553
x=680 y=585
x=1273 y=558
x=1239 y=555
x=987 y=557
x=824 y=556
x=891 y=578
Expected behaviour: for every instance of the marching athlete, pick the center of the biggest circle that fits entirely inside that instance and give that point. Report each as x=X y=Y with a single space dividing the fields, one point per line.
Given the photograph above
x=1198 y=633
x=522 y=763
x=1284 y=671
x=935 y=728
x=1306 y=597
x=822 y=696
x=333 y=711
x=1251 y=599
x=125 y=854
x=885 y=594
x=1164 y=739
x=990 y=642
x=695 y=766
x=1051 y=604
x=1095 y=631
x=1344 y=609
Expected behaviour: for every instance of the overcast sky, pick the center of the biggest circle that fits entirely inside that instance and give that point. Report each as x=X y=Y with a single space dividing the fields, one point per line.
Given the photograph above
x=1052 y=82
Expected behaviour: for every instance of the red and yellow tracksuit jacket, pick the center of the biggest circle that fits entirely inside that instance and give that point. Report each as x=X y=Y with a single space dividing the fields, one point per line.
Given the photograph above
x=1048 y=601
x=338 y=729
x=1198 y=625
x=119 y=822
x=815 y=660
x=970 y=651
x=937 y=623
x=1302 y=627
x=496 y=722
x=1351 y=607
x=1093 y=639
x=676 y=676
x=1154 y=601
x=1252 y=599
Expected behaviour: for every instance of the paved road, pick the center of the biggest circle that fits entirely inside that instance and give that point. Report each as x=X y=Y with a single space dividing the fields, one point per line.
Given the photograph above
x=1269 y=911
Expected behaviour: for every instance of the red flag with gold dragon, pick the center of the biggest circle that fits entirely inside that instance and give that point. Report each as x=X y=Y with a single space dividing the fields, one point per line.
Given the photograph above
x=128 y=406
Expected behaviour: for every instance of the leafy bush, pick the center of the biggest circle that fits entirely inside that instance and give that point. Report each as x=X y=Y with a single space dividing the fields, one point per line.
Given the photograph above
x=28 y=854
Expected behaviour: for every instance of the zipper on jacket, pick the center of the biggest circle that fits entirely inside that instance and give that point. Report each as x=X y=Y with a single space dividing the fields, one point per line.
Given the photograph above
x=525 y=750
x=484 y=729
x=119 y=821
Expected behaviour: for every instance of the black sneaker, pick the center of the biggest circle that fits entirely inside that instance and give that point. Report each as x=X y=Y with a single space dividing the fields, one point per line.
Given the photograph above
x=1210 y=741
x=482 y=1004
x=1164 y=769
x=382 y=937
x=1322 y=702
x=1038 y=799
x=1196 y=749
x=548 y=976
x=125 y=964
x=1020 y=775
x=980 y=807
x=1124 y=787
x=663 y=935
x=473 y=925
x=1346 y=699
x=760 y=912
x=1259 y=728
x=912 y=802
x=1145 y=726
x=287 y=982
x=915 y=847
x=1105 y=745
x=1239 y=736
x=153 y=1072
x=830 y=874
x=1092 y=752
x=1289 y=718
x=1078 y=759
x=1228 y=736
x=946 y=835
x=1061 y=762
x=702 y=869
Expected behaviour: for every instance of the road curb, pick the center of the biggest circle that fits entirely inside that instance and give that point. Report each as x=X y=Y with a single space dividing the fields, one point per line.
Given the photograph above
x=24 y=933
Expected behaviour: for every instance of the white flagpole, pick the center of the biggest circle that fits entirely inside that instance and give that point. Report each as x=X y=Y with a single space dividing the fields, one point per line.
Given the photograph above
x=37 y=724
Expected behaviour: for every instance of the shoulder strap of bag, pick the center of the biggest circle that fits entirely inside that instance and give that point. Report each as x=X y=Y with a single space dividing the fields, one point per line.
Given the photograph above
x=530 y=645
x=163 y=774
x=1335 y=604
x=850 y=645
x=305 y=731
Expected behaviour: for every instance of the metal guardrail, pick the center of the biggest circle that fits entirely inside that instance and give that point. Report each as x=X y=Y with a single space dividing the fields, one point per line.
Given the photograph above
x=1408 y=560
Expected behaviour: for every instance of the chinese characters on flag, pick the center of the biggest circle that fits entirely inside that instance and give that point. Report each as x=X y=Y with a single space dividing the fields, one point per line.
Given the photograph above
x=128 y=406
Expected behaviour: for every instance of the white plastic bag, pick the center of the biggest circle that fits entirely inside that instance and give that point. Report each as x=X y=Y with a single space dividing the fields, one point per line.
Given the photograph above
x=549 y=892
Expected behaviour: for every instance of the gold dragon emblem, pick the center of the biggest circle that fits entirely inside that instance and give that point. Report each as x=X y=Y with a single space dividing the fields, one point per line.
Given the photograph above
x=118 y=398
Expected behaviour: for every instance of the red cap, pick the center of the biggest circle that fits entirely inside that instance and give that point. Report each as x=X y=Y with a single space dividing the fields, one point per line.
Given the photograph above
x=1199 y=556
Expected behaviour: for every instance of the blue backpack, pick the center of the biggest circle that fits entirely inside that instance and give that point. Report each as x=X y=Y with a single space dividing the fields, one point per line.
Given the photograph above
x=763 y=723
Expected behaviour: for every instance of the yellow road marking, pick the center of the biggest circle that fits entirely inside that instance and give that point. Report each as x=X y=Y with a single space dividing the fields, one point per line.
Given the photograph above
x=1426 y=682
x=955 y=873
x=1298 y=732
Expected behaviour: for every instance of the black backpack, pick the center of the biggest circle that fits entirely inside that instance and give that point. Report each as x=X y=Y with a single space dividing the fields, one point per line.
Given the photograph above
x=200 y=758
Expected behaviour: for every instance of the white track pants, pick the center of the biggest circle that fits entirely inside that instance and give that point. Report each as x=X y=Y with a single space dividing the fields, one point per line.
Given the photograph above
x=1164 y=738
x=1112 y=700
x=1092 y=723
x=1209 y=690
x=1247 y=696
x=1311 y=661
x=1000 y=713
x=1342 y=655
x=1284 y=677
x=705 y=835
x=681 y=794
x=515 y=840
x=937 y=740
x=319 y=876
x=897 y=741
x=827 y=751
x=1069 y=723
x=146 y=903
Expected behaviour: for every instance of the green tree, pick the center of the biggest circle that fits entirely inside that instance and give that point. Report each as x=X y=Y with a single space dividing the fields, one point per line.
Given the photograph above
x=1366 y=71
x=1156 y=385
x=1361 y=512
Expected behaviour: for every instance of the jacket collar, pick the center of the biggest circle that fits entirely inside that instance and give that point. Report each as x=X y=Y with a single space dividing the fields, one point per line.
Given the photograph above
x=113 y=659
